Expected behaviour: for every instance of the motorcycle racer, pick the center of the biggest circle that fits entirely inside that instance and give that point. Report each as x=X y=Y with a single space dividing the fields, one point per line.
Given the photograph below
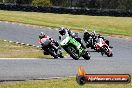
x=55 y=44
x=92 y=38
x=72 y=46
x=64 y=31
x=89 y=38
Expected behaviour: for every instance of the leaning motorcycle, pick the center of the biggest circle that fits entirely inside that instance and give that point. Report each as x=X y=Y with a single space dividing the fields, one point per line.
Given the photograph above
x=48 y=47
x=74 y=48
x=103 y=47
x=91 y=39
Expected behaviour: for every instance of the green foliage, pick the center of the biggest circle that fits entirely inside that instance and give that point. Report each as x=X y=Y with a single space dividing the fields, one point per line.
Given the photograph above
x=23 y=1
x=103 y=4
x=115 y=4
x=7 y=1
x=41 y=2
x=129 y=4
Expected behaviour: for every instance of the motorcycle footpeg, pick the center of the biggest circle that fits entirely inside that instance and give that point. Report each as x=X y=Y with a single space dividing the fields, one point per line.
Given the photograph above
x=102 y=53
x=111 y=46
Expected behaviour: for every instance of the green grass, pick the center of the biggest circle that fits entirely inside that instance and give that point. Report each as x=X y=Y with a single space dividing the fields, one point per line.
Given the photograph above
x=12 y=50
x=60 y=83
x=102 y=24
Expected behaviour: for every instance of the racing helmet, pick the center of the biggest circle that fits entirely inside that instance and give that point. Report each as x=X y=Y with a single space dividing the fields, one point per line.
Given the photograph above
x=41 y=35
x=86 y=34
x=62 y=31
x=100 y=36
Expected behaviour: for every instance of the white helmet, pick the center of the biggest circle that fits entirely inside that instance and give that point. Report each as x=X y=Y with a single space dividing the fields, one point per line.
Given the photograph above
x=41 y=35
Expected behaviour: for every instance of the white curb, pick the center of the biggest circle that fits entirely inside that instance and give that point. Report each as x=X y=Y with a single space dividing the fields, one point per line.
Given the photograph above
x=38 y=47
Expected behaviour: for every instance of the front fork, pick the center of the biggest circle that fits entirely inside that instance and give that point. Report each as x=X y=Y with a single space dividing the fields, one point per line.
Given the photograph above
x=81 y=51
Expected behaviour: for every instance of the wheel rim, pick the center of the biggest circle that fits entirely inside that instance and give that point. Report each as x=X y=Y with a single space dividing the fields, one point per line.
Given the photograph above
x=74 y=52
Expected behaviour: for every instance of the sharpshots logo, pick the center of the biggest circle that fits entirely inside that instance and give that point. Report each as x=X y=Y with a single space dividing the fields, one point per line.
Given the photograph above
x=83 y=78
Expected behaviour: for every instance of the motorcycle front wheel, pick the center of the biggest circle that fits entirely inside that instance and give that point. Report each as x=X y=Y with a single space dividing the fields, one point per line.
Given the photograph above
x=72 y=53
x=110 y=55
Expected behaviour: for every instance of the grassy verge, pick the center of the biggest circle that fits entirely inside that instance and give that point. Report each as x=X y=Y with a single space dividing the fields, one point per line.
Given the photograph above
x=12 y=50
x=102 y=24
x=60 y=83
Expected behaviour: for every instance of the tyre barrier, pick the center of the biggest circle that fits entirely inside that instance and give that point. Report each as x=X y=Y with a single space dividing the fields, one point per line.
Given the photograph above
x=67 y=10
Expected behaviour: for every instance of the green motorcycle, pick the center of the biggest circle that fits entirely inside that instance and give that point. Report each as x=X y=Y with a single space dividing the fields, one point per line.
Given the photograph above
x=73 y=48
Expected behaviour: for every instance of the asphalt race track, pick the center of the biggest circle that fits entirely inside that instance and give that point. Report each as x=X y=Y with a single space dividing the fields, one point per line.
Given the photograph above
x=23 y=69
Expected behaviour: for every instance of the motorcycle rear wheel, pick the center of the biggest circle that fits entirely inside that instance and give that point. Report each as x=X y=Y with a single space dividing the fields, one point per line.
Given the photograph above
x=52 y=53
x=86 y=56
x=110 y=55
x=106 y=50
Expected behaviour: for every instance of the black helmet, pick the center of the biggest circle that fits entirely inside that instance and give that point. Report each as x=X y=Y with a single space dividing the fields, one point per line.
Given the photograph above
x=86 y=34
x=62 y=31
x=41 y=35
x=100 y=36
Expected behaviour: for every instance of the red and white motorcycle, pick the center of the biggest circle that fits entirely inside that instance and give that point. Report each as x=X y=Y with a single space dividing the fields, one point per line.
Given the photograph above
x=103 y=47
x=49 y=46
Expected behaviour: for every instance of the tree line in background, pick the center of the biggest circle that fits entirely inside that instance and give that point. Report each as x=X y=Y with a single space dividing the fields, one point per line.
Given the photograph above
x=99 y=4
x=17 y=1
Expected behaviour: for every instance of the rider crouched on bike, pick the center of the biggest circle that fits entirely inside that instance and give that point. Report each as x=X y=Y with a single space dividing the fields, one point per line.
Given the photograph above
x=94 y=37
x=55 y=44
x=64 y=31
x=90 y=39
